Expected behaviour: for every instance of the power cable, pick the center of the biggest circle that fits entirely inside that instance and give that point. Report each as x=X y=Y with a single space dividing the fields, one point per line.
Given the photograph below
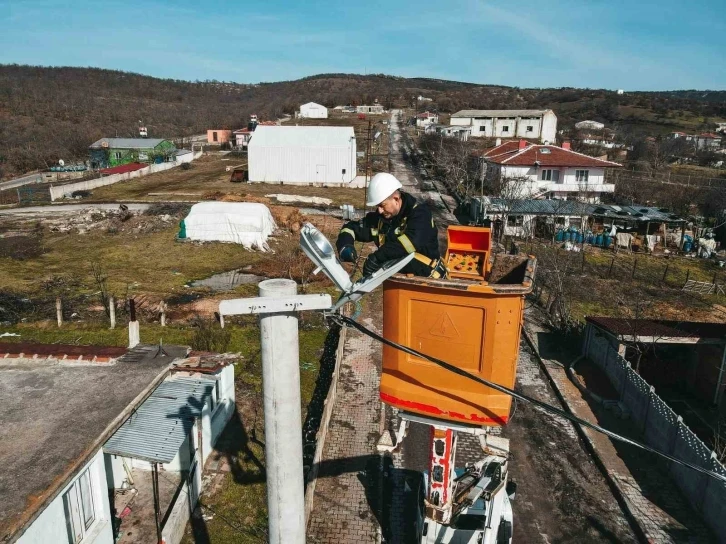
x=525 y=398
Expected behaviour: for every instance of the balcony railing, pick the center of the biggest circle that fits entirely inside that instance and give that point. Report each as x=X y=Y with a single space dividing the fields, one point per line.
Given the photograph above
x=582 y=187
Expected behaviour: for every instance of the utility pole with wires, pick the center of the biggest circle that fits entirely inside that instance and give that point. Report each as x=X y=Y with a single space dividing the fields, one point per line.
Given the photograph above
x=369 y=165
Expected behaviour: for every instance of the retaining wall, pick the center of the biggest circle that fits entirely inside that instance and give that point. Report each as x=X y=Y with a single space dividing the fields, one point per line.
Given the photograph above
x=663 y=429
x=89 y=184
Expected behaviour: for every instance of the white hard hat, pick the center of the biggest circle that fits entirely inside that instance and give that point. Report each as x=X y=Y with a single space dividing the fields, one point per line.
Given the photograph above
x=381 y=187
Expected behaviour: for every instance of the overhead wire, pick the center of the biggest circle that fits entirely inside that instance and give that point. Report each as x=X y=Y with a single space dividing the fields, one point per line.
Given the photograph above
x=525 y=398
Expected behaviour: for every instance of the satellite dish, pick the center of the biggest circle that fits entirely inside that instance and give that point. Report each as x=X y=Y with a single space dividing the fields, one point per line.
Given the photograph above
x=61 y=162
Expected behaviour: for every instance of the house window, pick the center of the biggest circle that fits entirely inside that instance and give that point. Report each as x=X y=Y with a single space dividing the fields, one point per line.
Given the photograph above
x=117 y=155
x=515 y=220
x=482 y=129
x=79 y=510
x=214 y=136
x=550 y=175
x=582 y=176
x=530 y=128
x=505 y=128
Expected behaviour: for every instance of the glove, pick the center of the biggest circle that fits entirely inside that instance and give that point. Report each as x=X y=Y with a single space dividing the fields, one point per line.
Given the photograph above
x=348 y=254
x=371 y=265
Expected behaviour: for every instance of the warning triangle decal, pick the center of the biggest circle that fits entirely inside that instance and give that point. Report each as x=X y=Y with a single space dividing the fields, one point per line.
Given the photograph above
x=444 y=326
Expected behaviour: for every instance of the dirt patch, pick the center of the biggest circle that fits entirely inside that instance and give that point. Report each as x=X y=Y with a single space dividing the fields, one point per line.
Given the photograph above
x=22 y=247
x=175 y=209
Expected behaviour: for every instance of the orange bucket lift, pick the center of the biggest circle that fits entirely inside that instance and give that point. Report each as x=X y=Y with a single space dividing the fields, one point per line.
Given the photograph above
x=472 y=320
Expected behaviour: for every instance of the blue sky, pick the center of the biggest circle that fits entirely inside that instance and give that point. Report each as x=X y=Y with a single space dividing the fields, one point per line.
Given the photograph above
x=633 y=44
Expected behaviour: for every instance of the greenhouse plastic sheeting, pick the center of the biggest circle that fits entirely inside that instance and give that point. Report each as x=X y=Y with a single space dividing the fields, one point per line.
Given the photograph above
x=246 y=223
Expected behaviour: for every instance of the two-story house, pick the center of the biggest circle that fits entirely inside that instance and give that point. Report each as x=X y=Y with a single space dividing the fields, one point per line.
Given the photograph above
x=547 y=171
x=532 y=124
x=426 y=118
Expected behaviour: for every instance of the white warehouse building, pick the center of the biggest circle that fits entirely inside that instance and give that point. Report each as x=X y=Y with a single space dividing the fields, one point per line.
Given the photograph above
x=533 y=124
x=311 y=110
x=302 y=155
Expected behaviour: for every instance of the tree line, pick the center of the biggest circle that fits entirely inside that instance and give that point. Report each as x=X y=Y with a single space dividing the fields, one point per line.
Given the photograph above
x=56 y=113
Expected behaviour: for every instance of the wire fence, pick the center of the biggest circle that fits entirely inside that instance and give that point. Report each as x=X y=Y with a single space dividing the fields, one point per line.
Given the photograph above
x=674 y=272
x=663 y=429
x=667 y=178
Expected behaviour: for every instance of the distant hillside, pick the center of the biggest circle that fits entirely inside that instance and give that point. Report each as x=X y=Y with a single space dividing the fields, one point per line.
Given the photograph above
x=52 y=113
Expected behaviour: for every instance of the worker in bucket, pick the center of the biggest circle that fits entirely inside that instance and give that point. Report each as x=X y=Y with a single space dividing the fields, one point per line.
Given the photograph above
x=398 y=226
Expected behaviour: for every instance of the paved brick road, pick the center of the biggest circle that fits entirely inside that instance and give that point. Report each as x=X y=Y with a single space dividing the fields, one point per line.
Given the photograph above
x=346 y=494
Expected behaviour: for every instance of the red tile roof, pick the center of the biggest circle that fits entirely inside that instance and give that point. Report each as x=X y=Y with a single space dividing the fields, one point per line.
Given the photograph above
x=509 y=154
x=124 y=168
x=709 y=135
x=425 y=115
x=29 y=350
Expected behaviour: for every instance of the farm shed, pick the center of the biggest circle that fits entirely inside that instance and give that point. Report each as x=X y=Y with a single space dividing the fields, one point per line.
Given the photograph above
x=311 y=110
x=311 y=155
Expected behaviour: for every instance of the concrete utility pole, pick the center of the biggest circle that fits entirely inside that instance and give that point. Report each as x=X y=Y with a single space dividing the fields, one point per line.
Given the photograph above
x=277 y=307
x=112 y=311
x=134 y=337
x=59 y=311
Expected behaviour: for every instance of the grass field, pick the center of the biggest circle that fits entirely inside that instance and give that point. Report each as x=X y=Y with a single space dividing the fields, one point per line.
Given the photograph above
x=208 y=174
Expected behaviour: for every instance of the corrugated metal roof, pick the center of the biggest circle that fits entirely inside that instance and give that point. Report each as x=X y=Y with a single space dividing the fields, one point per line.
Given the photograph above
x=573 y=207
x=128 y=143
x=316 y=136
x=635 y=213
x=542 y=206
x=660 y=328
x=500 y=113
x=156 y=431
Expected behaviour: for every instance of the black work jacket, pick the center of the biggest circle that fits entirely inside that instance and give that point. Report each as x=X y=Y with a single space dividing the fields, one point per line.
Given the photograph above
x=412 y=230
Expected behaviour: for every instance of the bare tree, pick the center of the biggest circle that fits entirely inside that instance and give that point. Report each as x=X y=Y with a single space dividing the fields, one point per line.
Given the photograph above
x=554 y=267
x=452 y=160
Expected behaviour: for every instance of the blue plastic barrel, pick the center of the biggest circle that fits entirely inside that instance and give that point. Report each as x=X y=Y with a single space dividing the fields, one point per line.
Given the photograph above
x=606 y=240
x=598 y=239
x=687 y=245
x=559 y=236
x=590 y=238
x=567 y=236
x=580 y=237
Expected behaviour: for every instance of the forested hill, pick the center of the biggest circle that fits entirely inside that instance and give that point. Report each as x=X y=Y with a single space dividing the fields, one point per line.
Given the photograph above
x=52 y=113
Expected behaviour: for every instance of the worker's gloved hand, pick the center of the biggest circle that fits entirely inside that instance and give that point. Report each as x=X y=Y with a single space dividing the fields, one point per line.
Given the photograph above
x=348 y=254
x=371 y=265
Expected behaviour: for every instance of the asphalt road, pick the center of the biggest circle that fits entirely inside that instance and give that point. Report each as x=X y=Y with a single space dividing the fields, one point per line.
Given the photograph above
x=19 y=182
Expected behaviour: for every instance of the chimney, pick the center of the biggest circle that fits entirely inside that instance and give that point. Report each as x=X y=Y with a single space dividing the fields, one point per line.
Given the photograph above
x=522 y=144
x=566 y=145
x=498 y=141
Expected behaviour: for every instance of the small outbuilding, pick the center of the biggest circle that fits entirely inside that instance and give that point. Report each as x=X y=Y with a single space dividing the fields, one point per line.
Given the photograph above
x=311 y=110
x=313 y=155
x=220 y=136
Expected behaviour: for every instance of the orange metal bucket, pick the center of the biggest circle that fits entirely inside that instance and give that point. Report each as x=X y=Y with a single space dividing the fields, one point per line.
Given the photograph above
x=472 y=325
